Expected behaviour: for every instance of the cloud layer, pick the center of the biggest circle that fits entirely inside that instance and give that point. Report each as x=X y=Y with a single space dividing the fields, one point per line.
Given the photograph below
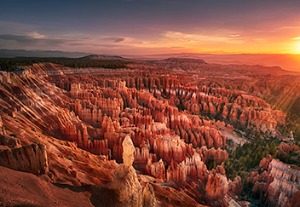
x=151 y=26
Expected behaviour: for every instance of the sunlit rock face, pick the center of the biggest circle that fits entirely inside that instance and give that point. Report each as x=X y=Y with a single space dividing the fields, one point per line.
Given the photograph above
x=278 y=184
x=101 y=126
x=125 y=188
x=285 y=184
x=128 y=152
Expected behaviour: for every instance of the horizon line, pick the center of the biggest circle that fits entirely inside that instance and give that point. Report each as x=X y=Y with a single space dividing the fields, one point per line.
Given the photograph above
x=151 y=54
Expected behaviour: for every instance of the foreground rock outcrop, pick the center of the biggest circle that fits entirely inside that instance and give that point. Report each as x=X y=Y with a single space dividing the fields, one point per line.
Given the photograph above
x=25 y=189
x=125 y=188
x=32 y=158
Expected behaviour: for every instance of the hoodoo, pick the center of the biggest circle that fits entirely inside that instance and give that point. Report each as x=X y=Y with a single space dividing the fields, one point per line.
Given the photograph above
x=146 y=137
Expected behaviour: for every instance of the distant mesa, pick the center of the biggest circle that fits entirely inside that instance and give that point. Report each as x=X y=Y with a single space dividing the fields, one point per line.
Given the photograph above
x=102 y=57
x=187 y=60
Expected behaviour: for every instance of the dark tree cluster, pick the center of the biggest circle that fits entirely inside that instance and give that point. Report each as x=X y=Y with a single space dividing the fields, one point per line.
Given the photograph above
x=248 y=156
x=10 y=64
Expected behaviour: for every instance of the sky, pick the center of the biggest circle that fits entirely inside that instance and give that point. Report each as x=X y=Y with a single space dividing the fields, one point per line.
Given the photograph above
x=139 y=27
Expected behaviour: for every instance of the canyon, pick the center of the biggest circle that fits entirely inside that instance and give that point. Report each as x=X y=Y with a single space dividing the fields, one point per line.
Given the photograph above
x=154 y=133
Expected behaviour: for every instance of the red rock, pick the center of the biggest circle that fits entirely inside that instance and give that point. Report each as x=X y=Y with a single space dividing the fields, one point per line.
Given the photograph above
x=216 y=186
x=156 y=169
x=32 y=159
x=218 y=155
x=278 y=185
x=162 y=112
x=236 y=186
x=192 y=167
x=264 y=163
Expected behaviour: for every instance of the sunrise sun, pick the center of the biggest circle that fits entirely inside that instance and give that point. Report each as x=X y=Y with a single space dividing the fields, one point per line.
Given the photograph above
x=296 y=49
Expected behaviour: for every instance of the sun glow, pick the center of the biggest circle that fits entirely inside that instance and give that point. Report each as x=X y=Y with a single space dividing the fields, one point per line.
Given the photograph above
x=297 y=48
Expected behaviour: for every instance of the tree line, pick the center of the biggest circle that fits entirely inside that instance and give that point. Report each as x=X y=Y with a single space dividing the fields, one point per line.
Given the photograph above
x=10 y=64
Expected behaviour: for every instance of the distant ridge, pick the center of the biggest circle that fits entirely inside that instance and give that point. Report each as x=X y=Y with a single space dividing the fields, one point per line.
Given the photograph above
x=4 y=53
x=182 y=59
x=289 y=62
x=103 y=57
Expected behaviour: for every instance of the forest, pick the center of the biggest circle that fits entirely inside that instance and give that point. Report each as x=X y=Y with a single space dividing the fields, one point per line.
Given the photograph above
x=10 y=64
